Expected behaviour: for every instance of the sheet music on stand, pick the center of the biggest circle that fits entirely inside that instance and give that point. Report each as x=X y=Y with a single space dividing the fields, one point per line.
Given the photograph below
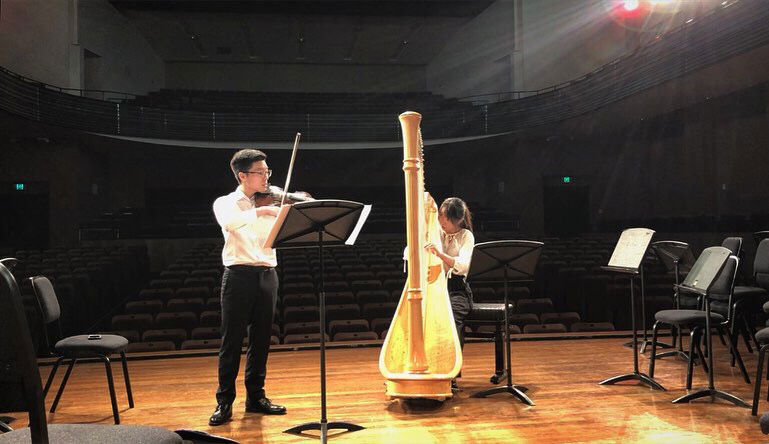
x=630 y=250
x=705 y=270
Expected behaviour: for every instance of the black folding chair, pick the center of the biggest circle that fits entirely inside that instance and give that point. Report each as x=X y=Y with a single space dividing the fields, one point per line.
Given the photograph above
x=20 y=380
x=78 y=347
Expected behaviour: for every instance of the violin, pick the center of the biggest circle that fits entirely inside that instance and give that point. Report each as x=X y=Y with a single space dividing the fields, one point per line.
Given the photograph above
x=275 y=195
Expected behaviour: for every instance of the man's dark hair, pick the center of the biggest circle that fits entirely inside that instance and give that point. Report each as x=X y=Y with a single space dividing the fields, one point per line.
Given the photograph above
x=243 y=159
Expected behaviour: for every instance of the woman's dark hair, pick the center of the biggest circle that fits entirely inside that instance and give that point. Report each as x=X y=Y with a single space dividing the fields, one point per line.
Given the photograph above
x=455 y=210
x=243 y=159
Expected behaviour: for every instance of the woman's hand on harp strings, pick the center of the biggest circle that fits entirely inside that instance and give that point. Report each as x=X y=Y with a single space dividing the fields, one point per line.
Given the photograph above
x=432 y=248
x=445 y=258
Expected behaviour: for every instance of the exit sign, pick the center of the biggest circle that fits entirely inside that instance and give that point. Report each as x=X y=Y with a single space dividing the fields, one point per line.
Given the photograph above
x=566 y=179
x=20 y=186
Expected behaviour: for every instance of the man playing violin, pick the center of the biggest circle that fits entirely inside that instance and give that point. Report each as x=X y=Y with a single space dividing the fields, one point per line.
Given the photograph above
x=249 y=289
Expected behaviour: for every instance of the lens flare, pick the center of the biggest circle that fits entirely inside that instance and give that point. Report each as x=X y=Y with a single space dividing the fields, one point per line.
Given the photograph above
x=630 y=5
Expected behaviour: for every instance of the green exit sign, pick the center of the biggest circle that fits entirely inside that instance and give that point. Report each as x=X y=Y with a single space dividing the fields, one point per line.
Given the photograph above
x=20 y=186
x=566 y=179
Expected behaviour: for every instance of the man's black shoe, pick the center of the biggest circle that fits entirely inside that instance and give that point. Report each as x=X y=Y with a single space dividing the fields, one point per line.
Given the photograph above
x=264 y=405
x=222 y=414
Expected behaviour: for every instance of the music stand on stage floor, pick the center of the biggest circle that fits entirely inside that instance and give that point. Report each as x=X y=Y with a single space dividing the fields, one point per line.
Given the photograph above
x=699 y=280
x=318 y=224
x=678 y=258
x=509 y=261
x=626 y=259
x=645 y=342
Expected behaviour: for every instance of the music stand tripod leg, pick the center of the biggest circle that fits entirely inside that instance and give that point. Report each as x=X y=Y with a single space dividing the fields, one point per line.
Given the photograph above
x=323 y=427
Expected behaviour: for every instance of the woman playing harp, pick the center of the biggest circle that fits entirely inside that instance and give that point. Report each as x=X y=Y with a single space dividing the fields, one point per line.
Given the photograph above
x=455 y=251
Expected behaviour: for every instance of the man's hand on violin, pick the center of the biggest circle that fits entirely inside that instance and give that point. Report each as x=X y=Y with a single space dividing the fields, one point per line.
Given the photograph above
x=267 y=211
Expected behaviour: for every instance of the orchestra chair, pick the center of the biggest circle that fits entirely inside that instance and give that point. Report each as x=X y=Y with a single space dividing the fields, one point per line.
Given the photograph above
x=695 y=320
x=762 y=336
x=745 y=300
x=78 y=347
x=20 y=380
x=749 y=299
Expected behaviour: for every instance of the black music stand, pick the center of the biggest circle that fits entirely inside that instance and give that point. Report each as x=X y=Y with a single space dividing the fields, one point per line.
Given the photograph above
x=645 y=342
x=678 y=258
x=318 y=224
x=626 y=259
x=699 y=280
x=509 y=261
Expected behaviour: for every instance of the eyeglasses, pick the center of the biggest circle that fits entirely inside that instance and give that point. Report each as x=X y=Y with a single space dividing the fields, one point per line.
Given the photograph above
x=263 y=173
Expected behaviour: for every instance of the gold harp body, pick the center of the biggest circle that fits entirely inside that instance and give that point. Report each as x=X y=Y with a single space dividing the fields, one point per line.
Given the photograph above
x=421 y=353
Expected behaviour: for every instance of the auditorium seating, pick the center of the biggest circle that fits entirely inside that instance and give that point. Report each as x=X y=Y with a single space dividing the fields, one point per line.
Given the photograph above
x=355 y=325
x=309 y=338
x=197 y=344
x=142 y=347
x=193 y=221
x=544 y=328
x=300 y=328
x=355 y=336
x=363 y=286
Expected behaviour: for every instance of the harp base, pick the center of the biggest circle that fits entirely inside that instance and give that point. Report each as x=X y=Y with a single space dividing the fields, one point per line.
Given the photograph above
x=437 y=389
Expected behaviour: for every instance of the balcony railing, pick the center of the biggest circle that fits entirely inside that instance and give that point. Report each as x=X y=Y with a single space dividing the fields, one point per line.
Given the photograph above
x=726 y=32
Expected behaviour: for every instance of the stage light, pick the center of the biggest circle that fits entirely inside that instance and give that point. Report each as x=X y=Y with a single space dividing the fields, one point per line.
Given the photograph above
x=630 y=5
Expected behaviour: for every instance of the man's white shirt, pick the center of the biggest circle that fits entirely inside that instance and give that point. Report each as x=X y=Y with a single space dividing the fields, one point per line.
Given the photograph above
x=245 y=232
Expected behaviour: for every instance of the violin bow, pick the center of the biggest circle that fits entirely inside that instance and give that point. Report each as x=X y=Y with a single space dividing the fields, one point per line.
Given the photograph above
x=290 y=168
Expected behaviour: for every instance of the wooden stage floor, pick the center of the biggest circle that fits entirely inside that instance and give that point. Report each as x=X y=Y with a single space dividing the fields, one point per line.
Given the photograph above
x=562 y=377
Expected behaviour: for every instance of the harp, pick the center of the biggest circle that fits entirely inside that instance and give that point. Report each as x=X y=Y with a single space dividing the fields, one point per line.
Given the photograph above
x=421 y=353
